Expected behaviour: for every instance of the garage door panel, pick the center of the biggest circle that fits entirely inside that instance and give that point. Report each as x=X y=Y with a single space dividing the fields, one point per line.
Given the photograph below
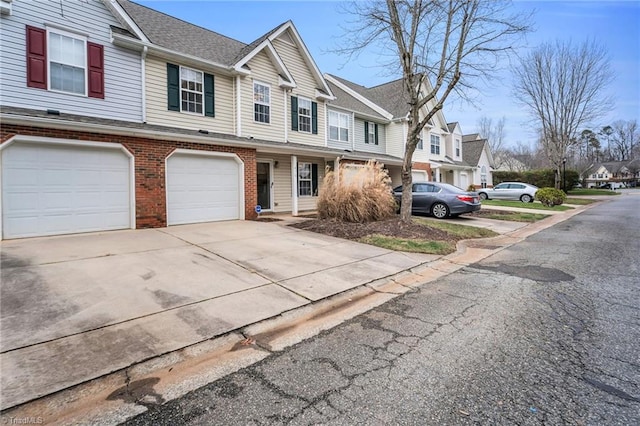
x=202 y=188
x=57 y=189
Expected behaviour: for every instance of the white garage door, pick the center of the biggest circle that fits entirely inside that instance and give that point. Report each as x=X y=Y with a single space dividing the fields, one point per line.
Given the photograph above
x=50 y=189
x=418 y=176
x=202 y=188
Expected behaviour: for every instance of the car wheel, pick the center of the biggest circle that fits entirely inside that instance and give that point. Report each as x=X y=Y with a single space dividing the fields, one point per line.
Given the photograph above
x=483 y=196
x=439 y=210
x=526 y=198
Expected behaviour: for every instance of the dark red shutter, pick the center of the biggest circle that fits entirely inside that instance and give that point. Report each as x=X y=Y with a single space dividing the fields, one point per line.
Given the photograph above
x=36 y=57
x=95 y=62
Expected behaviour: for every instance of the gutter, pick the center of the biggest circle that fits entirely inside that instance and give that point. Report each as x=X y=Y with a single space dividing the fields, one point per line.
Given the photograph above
x=170 y=136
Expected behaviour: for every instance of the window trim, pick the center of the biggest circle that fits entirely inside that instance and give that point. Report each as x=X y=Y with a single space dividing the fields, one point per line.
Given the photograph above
x=338 y=114
x=420 y=144
x=192 y=91
x=309 y=179
x=75 y=36
x=434 y=146
x=302 y=99
x=267 y=104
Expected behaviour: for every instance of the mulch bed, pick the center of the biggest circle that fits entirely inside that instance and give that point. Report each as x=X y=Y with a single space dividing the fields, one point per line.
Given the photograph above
x=391 y=228
x=268 y=219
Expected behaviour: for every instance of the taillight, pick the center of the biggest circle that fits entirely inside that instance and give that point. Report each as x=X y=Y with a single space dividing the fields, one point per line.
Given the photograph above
x=466 y=198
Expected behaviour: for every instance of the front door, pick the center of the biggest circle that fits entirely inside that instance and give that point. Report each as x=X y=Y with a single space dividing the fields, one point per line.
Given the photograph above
x=265 y=184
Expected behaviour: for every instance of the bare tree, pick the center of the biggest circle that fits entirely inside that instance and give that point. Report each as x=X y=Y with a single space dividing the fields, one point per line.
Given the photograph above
x=440 y=47
x=564 y=87
x=495 y=136
x=624 y=136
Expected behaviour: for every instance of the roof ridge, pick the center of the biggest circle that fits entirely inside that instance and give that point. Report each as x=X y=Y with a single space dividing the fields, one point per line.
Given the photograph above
x=182 y=20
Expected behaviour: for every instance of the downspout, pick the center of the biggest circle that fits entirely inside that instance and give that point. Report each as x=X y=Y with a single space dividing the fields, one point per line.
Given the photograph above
x=294 y=185
x=353 y=133
x=238 y=107
x=286 y=126
x=143 y=66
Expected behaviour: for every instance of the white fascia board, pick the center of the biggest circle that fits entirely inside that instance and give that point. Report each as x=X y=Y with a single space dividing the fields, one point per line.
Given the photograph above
x=160 y=135
x=124 y=18
x=320 y=95
x=361 y=98
x=306 y=56
x=275 y=59
x=359 y=114
x=172 y=55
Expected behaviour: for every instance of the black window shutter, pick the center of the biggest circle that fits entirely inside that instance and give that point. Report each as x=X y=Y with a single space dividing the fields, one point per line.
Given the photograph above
x=314 y=179
x=314 y=118
x=209 y=97
x=366 y=132
x=294 y=113
x=173 y=87
x=376 y=132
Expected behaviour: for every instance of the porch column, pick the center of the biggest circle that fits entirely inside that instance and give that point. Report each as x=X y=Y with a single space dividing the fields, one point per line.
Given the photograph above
x=294 y=185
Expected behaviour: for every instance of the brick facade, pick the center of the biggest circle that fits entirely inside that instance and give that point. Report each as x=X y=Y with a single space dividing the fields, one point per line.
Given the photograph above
x=150 y=155
x=422 y=166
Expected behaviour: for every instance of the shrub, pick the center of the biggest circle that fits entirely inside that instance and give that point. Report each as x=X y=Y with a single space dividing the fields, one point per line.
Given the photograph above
x=357 y=194
x=550 y=196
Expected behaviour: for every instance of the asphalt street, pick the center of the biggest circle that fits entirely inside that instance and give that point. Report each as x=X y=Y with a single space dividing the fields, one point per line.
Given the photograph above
x=545 y=332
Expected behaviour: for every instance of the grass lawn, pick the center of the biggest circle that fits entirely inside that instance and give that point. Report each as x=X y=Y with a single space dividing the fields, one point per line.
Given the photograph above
x=426 y=245
x=513 y=216
x=579 y=201
x=578 y=192
x=518 y=204
x=410 y=245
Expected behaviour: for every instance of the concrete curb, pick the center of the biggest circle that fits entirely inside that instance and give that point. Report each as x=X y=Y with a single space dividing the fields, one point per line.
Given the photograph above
x=115 y=397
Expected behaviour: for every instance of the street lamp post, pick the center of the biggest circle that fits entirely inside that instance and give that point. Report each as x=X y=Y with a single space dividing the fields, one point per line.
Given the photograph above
x=564 y=174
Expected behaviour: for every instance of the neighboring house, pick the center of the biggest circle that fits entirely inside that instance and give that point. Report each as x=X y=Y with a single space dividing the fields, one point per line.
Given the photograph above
x=117 y=116
x=509 y=163
x=617 y=173
x=438 y=156
x=477 y=154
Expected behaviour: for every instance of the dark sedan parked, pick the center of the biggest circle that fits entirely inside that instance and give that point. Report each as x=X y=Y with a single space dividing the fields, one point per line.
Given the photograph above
x=440 y=200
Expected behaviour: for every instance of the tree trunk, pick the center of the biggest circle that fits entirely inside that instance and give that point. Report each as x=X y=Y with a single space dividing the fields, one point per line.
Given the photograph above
x=407 y=199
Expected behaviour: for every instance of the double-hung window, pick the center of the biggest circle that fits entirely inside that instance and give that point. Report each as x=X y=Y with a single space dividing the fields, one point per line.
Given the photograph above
x=371 y=133
x=305 y=179
x=64 y=61
x=338 y=126
x=420 y=144
x=435 y=144
x=304 y=115
x=67 y=63
x=191 y=90
x=457 y=147
x=261 y=102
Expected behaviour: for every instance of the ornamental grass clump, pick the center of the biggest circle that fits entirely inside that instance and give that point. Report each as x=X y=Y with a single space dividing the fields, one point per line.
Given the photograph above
x=356 y=193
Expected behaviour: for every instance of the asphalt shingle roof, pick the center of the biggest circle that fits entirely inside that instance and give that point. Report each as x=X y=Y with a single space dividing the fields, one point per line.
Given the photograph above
x=389 y=96
x=345 y=100
x=472 y=151
x=175 y=132
x=176 y=34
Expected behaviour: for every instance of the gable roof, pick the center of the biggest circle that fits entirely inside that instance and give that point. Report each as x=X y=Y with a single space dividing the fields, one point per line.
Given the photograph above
x=471 y=137
x=347 y=101
x=472 y=151
x=181 y=36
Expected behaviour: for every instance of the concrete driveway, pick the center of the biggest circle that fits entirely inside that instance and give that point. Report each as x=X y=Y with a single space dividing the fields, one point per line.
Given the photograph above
x=77 y=307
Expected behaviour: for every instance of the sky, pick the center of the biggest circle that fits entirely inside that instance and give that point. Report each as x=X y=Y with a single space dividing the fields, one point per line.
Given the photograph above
x=322 y=24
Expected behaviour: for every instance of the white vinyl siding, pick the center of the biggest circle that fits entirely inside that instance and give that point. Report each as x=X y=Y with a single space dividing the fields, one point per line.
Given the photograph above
x=157 y=112
x=380 y=148
x=305 y=88
x=281 y=183
x=395 y=139
x=122 y=68
x=265 y=73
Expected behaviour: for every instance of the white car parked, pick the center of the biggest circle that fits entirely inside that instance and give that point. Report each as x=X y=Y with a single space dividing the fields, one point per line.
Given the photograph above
x=509 y=191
